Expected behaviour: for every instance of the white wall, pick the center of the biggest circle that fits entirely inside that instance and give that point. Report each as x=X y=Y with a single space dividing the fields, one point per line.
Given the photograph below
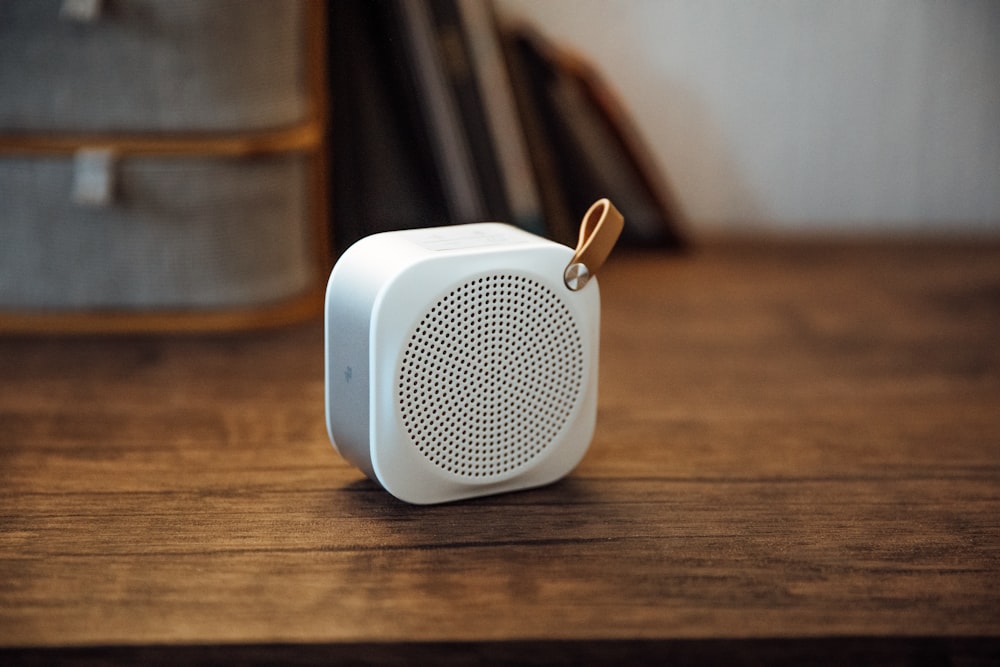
x=821 y=115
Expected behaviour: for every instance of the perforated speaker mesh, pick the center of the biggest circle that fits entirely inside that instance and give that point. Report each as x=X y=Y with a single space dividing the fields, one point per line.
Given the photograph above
x=490 y=376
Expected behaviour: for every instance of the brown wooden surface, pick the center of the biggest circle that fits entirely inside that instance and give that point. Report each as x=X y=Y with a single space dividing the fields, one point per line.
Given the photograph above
x=798 y=448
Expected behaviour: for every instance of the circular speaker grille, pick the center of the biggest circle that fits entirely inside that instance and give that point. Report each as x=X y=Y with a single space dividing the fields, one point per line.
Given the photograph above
x=490 y=376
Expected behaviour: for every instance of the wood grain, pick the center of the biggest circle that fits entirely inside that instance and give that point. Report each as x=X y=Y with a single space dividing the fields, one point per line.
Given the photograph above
x=795 y=442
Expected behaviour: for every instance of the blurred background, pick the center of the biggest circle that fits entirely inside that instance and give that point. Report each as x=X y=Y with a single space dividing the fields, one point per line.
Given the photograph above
x=171 y=158
x=855 y=116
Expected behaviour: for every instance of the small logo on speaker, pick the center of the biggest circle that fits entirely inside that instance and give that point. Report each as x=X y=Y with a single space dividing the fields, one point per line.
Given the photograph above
x=348 y=373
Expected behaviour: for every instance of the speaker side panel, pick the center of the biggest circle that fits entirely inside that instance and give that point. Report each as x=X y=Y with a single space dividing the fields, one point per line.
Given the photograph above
x=354 y=287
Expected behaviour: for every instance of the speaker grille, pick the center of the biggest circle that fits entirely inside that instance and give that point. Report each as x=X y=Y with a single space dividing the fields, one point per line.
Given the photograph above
x=490 y=376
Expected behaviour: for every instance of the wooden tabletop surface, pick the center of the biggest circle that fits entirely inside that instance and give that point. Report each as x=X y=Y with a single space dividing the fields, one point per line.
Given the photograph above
x=797 y=456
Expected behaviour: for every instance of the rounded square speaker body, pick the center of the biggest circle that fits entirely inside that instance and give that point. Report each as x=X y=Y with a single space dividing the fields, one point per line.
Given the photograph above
x=458 y=363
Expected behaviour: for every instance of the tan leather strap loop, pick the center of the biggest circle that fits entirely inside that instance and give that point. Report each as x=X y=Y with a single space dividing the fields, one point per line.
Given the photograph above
x=599 y=230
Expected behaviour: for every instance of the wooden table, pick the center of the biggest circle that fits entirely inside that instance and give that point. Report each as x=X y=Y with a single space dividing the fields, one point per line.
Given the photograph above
x=797 y=458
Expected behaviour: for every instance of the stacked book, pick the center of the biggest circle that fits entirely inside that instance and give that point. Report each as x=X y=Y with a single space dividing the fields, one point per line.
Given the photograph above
x=442 y=114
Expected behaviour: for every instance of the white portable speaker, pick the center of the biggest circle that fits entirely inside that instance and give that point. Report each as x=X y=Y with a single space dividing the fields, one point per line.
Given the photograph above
x=462 y=361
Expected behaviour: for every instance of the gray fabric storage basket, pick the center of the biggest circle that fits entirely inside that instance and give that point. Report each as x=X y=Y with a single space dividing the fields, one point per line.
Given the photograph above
x=153 y=66
x=182 y=232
